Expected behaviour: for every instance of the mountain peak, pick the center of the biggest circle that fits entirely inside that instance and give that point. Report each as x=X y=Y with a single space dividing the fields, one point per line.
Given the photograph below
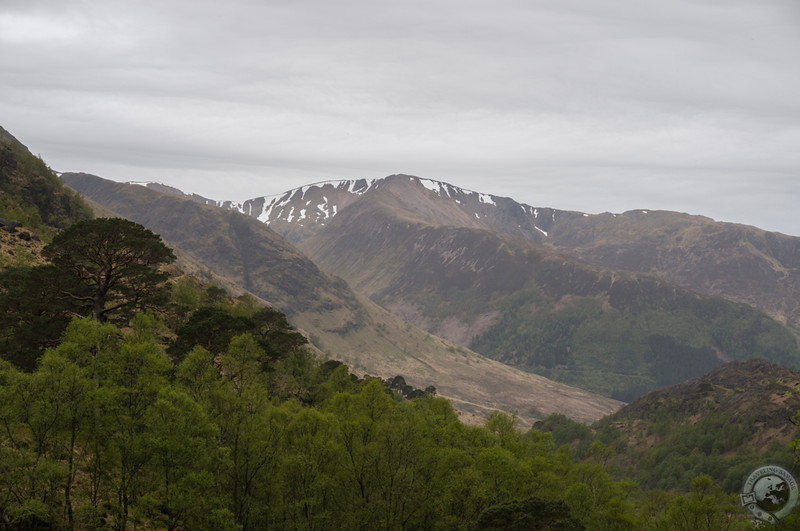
x=300 y=213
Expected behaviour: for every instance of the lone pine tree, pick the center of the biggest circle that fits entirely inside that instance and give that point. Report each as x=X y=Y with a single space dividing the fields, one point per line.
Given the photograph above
x=110 y=264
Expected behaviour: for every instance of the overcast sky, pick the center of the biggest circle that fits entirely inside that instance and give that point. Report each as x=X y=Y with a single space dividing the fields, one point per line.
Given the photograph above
x=589 y=105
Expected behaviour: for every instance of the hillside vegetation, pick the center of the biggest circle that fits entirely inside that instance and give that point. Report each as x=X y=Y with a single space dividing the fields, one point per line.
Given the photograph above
x=31 y=193
x=723 y=425
x=34 y=204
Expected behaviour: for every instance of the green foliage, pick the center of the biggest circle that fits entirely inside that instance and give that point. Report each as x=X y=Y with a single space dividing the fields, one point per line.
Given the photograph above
x=31 y=193
x=110 y=266
x=213 y=328
x=103 y=268
x=107 y=432
x=32 y=314
x=235 y=425
x=672 y=452
x=210 y=327
x=705 y=506
x=531 y=513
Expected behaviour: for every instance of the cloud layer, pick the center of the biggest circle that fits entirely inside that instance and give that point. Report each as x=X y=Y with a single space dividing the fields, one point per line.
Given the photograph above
x=587 y=105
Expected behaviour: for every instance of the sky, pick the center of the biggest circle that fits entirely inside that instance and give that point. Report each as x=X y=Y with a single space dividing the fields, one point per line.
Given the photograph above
x=587 y=105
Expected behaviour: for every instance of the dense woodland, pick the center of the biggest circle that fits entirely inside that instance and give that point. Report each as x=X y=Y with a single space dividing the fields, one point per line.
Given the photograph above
x=134 y=397
x=111 y=431
x=169 y=404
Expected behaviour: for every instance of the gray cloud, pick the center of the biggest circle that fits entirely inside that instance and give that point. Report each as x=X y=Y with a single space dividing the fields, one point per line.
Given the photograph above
x=578 y=104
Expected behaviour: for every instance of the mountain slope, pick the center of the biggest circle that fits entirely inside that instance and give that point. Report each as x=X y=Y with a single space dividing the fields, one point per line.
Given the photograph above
x=743 y=264
x=31 y=193
x=340 y=322
x=523 y=303
x=34 y=204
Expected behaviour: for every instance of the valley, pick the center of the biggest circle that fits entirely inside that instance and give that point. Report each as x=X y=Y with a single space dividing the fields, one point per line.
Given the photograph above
x=618 y=304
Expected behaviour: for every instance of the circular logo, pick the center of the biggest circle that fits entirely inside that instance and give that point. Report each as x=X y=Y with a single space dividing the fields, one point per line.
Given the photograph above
x=769 y=494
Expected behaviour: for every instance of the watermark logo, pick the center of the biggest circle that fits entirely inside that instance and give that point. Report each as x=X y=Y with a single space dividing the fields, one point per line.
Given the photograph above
x=769 y=494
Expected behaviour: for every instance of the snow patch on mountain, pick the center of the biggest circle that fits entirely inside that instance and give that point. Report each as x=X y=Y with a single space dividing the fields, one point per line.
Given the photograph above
x=485 y=198
x=433 y=186
x=275 y=206
x=453 y=192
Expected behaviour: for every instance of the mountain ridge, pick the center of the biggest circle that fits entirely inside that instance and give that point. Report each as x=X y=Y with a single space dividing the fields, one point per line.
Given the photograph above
x=741 y=263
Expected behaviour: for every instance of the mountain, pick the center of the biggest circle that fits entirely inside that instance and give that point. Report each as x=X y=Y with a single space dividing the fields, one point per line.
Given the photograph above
x=725 y=424
x=171 y=190
x=300 y=213
x=446 y=260
x=342 y=323
x=741 y=263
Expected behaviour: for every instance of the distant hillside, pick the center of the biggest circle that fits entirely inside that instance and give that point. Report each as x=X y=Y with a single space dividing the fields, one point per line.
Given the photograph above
x=529 y=305
x=743 y=264
x=725 y=424
x=342 y=323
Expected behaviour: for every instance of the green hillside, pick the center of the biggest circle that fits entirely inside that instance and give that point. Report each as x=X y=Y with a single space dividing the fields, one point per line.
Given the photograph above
x=31 y=193
x=724 y=424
